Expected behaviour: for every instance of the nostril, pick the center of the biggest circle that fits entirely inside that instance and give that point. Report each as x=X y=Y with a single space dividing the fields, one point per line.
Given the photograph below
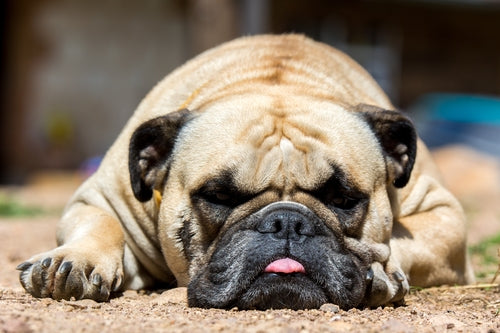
x=298 y=228
x=277 y=225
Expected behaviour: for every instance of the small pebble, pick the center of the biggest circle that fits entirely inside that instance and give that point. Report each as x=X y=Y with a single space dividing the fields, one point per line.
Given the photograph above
x=84 y=304
x=328 y=307
x=130 y=294
x=173 y=296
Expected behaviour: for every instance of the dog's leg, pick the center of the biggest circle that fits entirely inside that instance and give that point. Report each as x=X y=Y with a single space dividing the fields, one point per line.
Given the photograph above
x=428 y=246
x=428 y=242
x=88 y=262
x=429 y=237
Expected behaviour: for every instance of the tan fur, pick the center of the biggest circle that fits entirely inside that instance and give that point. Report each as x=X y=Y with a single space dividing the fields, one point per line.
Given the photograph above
x=271 y=99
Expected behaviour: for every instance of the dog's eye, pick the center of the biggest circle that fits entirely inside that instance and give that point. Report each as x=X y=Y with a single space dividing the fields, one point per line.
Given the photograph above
x=220 y=198
x=223 y=197
x=220 y=193
x=342 y=202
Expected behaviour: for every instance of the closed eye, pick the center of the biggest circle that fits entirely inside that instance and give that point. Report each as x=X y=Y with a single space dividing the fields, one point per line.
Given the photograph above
x=221 y=192
x=221 y=197
x=339 y=193
x=341 y=201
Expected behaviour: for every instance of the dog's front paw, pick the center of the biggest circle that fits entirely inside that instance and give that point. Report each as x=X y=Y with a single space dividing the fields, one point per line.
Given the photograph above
x=385 y=286
x=67 y=272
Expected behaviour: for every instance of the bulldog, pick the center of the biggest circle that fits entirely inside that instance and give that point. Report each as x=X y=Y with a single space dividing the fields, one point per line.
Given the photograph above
x=269 y=172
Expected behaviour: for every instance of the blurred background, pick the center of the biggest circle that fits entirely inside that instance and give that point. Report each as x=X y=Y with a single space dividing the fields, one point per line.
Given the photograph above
x=73 y=71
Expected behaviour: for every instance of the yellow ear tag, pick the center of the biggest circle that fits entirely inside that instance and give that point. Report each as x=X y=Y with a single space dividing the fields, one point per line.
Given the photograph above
x=157 y=197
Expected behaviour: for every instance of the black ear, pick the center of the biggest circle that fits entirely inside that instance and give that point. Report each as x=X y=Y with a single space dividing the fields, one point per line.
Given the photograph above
x=398 y=139
x=149 y=151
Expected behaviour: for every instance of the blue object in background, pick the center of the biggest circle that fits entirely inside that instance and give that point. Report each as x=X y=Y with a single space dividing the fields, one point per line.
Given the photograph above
x=470 y=120
x=90 y=165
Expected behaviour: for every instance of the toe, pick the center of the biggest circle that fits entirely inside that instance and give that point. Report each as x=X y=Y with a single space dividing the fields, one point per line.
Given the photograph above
x=61 y=281
x=40 y=279
x=98 y=289
x=402 y=288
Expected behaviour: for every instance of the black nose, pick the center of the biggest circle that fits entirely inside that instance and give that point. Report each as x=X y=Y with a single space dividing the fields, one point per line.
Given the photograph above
x=286 y=223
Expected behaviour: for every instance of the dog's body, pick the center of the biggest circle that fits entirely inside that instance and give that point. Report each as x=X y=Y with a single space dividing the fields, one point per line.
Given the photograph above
x=282 y=182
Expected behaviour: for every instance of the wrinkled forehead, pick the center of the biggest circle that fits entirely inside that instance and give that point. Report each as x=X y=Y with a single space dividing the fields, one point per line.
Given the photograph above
x=286 y=144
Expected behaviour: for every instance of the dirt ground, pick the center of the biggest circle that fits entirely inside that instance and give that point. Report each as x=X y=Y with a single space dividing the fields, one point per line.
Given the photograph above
x=445 y=309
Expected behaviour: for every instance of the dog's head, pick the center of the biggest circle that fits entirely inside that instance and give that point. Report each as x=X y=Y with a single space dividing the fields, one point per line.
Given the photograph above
x=273 y=203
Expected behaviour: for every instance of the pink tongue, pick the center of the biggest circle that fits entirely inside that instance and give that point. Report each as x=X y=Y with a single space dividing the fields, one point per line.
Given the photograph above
x=286 y=266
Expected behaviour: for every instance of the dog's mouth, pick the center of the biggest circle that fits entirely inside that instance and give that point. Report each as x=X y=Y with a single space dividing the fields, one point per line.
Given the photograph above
x=283 y=283
x=288 y=282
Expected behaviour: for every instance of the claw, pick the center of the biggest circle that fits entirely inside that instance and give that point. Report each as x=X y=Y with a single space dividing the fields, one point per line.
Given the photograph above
x=369 y=283
x=46 y=262
x=97 y=280
x=65 y=267
x=369 y=275
x=398 y=276
x=398 y=299
x=117 y=283
x=23 y=266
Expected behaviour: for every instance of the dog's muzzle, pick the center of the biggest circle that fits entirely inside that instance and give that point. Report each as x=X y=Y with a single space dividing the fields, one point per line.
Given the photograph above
x=282 y=256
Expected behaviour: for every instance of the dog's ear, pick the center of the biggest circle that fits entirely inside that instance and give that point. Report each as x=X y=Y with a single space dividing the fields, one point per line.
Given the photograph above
x=398 y=138
x=149 y=151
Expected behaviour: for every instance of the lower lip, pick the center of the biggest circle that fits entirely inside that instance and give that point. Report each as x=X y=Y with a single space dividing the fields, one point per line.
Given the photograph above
x=284 y=274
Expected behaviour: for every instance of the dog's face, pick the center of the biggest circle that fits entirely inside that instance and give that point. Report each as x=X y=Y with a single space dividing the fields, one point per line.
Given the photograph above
x=272 y=202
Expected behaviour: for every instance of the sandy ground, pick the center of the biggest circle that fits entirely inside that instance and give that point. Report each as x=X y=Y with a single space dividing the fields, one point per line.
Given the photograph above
x=446 y=309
